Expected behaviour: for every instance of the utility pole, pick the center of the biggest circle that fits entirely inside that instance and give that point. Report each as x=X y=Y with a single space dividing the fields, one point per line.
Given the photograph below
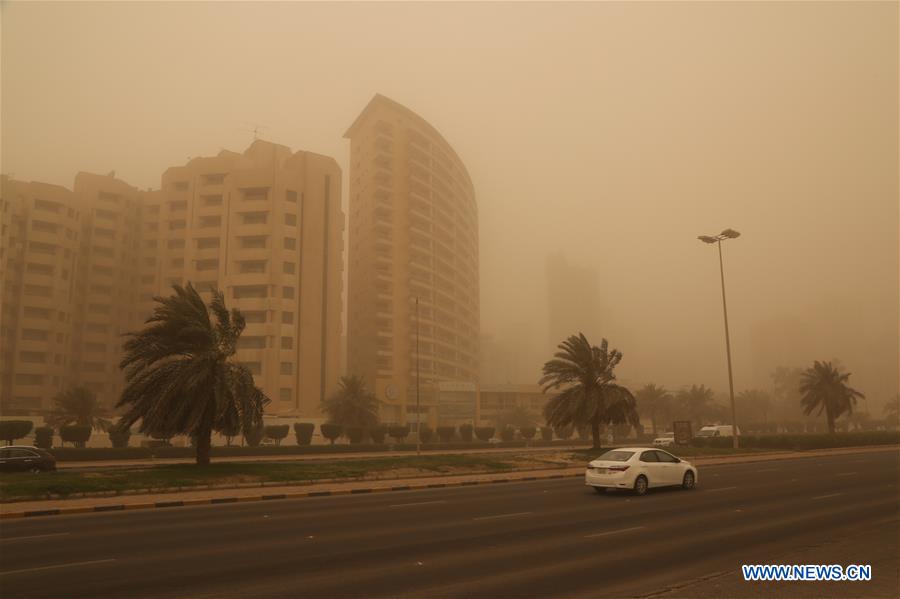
x=418 y=413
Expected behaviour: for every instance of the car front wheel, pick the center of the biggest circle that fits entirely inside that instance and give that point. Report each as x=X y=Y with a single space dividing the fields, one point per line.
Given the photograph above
x=640 y=485
x=688 y=481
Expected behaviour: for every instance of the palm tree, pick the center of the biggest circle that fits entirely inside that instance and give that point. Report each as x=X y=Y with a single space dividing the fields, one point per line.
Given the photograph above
x=696 y=403
x=352 y=405
x=654 y=402
x=181 y=374
x=79 y=406
x=589 y=394
x=825 y=387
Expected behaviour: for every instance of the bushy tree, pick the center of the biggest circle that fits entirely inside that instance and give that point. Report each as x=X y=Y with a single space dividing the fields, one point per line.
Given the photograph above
x=10 y=430
x=588 y=395
x=79 y=405
x=485 y=433
x=563 y=432
x=304 y=432
x=446 y=433
x=356 y=434
x=508 y=433
x=696 y=404
x=353 y=405
x=75 y=434
x=277 y=432
x=825 y=388
x=254 y=435
x=398 y=432
x=377 y=433
x=465 y=432
x=655 y=403
x=330 y=431
x=546 y=433
x=182 y=376
x=425 y=433
x=119 y=436
x=527 y=432
x=43 y=437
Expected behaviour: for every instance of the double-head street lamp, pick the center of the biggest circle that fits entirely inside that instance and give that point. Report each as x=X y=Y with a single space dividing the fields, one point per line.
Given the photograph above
x=718 y=239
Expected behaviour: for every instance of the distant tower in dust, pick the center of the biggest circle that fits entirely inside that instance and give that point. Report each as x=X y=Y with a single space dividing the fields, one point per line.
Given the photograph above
x=573 y=301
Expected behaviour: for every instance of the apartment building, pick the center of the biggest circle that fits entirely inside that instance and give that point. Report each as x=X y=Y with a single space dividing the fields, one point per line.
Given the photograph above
x=80 y=268
x=413 y=297
x=266 y=228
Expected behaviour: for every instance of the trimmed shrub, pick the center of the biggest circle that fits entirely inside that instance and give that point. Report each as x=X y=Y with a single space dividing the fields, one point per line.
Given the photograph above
x=803 y=441
x=485 y=433
x=377 y=433
x=527 y=432
x=277 y=432
x=446 y=433
x=425 y=433
x=356 y=434
x=330 y=431
x=255 y=436
x=119 y=437
x=563 y=432
x=10 y=430
x=508 y=433
x=465 y=432
x=43 y=437
x=79 y=435
x=398 y=432
x=304 y=432
x=164 y=437
x=546 y=433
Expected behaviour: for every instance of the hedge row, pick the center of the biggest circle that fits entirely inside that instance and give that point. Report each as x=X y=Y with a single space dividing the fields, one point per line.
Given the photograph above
x=800 y=441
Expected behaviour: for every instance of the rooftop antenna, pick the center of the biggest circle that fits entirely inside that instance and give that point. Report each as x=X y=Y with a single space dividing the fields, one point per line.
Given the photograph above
x=255 y=129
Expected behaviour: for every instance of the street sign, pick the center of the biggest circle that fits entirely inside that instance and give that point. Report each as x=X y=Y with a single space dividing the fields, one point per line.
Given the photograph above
x=683 y=433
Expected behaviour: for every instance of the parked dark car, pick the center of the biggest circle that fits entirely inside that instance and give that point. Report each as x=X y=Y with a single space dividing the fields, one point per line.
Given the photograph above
x=23 y=458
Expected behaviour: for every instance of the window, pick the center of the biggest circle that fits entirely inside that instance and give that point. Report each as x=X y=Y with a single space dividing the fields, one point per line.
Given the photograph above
x=253 y=367
x=175 y=244
x=256 y=194
x=147 y=279
x=102 y=251
x=180 y=186
x=43 y=227
x=662 y=456
x=93 y=367
x=287 y=318
x=41 y=269
x=205 y=243
x=178 y=206
x=290 y=196
x=30 y=312
x=253 y=218
x=41 y=248
x=48 y=206
x=38 y=290
x=94 y=327
x=248 y=243
x=649 y=456
x=210 y=221
x=177 y=263
x=287 y=292
x=213 y=200
x=35 y=335
x=33 y=357
x=287 y=368
x=287 y=343
x=98 y=308
x=252 y=266
x=254 y=316
x=290 y=219
x=290 y=243
x=150 y=244
x=251 y=342
x=285 y=394
x=177 y=225
x=95 y=347
x=29 y=379
x=250 y=291
x=288 y=268
x=210 y=264
x=214 y=179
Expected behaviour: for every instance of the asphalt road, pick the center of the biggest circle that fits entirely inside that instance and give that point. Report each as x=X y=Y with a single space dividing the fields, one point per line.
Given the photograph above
x=534 y=539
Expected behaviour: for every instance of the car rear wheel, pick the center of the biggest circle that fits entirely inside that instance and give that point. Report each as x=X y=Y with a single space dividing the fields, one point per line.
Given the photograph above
x=640 y=485
x=35 y=470
x=688 y=482
x=600 y=490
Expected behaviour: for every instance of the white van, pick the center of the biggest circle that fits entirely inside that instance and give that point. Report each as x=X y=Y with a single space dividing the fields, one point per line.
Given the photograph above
x=717 y=430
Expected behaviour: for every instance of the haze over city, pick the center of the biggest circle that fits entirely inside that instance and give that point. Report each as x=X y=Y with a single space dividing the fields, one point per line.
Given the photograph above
x=612 y=134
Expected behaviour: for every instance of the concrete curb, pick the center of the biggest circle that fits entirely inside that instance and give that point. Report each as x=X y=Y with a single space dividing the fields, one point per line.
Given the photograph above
x=252 y=498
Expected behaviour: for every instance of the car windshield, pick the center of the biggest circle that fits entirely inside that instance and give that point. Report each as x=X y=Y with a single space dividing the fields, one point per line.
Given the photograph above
x=707 y=433
x=616 y=456
x=667 y=435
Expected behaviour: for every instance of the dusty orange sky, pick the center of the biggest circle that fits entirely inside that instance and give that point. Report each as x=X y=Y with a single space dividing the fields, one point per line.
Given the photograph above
x=613 y=133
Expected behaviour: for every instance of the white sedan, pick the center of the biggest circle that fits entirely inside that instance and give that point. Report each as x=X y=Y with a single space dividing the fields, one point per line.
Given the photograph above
x=638 y=469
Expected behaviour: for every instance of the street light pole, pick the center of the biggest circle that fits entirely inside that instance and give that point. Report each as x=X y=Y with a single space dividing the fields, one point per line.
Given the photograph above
x=418 y=413
x=726 y=234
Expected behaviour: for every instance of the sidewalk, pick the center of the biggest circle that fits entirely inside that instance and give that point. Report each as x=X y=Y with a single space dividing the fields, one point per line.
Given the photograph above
x=277 y=491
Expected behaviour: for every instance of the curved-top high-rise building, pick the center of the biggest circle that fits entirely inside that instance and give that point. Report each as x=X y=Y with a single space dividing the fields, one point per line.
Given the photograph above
x=413 y=234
